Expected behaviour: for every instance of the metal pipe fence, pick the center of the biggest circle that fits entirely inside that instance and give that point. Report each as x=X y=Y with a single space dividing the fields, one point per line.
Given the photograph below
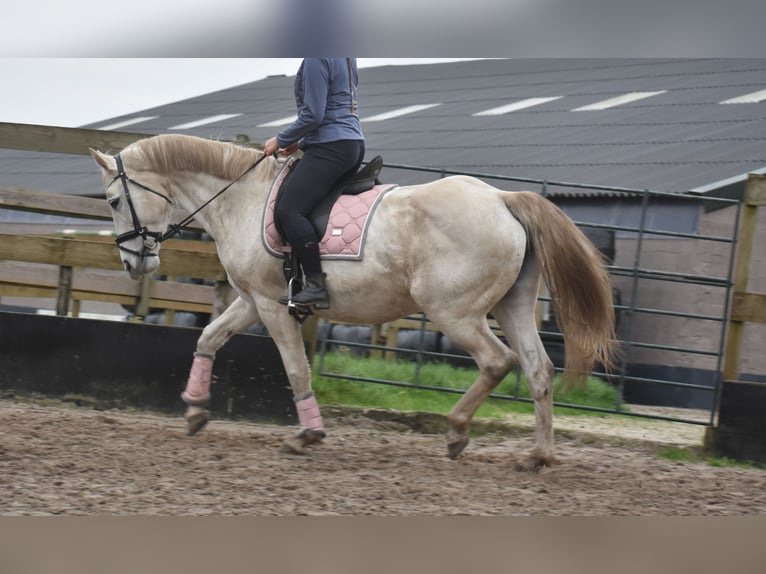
x=635 y=276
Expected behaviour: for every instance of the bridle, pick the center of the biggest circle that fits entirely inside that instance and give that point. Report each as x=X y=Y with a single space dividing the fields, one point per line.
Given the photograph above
x=153 y=238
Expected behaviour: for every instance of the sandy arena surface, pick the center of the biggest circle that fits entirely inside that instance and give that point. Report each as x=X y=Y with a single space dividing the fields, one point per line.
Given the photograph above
x=61 y=460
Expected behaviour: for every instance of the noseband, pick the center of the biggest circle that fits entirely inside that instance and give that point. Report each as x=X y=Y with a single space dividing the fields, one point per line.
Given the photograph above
x=153 y=238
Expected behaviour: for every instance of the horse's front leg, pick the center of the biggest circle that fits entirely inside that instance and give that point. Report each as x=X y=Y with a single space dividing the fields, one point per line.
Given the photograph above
x=286 y=333
x=238 y=317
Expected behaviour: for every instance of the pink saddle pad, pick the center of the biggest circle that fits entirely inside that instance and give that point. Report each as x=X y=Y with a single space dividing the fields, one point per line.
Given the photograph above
x=346 y=228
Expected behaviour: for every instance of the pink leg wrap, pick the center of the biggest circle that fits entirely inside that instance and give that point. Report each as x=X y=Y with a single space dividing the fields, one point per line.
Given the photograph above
x=308 y=413
x=198 y=387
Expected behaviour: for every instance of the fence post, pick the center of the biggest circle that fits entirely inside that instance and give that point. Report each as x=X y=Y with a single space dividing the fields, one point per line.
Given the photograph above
x=142 y=302
x=755 y=195
x=76 y=303
x=392 y=339
x=64 y=293
x=739 y=429
x=376 y=338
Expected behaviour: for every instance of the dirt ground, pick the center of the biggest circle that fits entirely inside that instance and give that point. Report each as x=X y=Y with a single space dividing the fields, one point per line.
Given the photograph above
x=61 y=460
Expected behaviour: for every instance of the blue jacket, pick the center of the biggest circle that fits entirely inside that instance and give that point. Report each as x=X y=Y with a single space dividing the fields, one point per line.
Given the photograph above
x=326 y=111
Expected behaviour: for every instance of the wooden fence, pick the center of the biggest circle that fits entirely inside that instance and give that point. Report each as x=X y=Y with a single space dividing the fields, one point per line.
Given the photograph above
x=77 y=268
x=73 y=269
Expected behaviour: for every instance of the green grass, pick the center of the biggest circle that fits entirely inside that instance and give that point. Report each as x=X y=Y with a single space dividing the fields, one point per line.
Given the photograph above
x=678 y=454
x=331 y=390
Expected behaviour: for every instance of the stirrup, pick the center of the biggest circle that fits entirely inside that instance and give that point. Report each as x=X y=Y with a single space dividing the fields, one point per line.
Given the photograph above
x=299 y=312
x=288 y=299
x=314 y=293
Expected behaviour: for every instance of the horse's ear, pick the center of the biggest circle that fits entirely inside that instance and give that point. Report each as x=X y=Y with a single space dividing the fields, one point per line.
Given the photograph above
x=105 y=162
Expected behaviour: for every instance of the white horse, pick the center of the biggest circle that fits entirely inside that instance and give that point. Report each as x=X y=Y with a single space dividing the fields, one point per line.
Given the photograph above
x=457 y=249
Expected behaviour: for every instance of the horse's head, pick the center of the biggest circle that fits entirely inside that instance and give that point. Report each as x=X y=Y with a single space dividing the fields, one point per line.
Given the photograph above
x=141 y=210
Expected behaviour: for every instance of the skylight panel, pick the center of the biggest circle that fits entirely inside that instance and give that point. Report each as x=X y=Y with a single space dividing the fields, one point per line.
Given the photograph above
x=129 y=122
x=399 y=112
x=282 y=122
x=204 y=121
x=618 y=101
x=520 y=105
x=753 y=98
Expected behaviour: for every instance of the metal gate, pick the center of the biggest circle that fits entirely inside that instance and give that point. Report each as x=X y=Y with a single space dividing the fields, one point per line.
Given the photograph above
x=672 y=290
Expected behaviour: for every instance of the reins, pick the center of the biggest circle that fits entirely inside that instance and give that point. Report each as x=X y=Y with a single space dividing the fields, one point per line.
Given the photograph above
x=151 y=238
x=175 y=228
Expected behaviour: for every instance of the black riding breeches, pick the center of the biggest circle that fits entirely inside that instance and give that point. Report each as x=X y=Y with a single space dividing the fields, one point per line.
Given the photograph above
x=321 y=166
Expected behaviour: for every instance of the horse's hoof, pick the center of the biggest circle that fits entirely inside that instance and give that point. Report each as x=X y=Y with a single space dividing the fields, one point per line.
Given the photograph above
x=311 y=436
x=456 y=447
x=534 y=462
x=196 y=419
x=293 y=445
x=297 y=444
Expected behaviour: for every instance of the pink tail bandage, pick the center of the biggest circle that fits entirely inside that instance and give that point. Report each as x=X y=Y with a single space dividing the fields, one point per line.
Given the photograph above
x=198 y=387
x=308 y=413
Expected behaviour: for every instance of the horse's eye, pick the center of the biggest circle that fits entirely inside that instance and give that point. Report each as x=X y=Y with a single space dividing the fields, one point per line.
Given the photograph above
x=114 y=202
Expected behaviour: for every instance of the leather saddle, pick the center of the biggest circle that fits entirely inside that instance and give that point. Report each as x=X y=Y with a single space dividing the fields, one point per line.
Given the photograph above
x=364 y=179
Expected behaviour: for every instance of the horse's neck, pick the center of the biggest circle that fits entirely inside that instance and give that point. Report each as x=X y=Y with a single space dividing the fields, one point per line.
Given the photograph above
x=240 y=205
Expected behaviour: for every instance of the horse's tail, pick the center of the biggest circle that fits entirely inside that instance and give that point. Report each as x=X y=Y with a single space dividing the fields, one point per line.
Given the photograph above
x=577 y=279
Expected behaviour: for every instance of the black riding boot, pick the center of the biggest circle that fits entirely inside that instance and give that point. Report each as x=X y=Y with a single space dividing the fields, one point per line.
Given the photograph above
x=314 y=294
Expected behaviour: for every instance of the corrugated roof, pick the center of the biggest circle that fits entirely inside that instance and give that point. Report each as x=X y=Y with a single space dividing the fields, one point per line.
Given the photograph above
x=679 y=139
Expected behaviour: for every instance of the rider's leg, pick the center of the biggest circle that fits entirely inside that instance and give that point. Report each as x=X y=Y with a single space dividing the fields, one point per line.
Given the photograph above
x=321 y=166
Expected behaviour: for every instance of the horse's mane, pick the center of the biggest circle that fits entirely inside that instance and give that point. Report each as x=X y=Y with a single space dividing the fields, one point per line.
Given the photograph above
x=166 y=153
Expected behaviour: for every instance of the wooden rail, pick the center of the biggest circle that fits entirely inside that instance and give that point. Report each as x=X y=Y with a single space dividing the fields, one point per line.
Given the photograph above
x=53 y=204
x=34 y=280
x=181 y=258
x=65 y=205
x=74 y=141
x=76 y=270
x=53 y=139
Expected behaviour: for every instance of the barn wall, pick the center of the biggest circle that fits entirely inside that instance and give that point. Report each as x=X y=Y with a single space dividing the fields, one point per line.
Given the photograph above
x=695 y=257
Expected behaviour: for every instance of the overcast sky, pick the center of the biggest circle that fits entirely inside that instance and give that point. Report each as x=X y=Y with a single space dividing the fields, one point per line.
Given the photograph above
x=47 y=75
x=72 y=92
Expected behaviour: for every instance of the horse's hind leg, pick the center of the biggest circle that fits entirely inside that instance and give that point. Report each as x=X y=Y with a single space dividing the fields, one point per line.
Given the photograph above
x=239 y=315
x=516 y=316
x=494 y=360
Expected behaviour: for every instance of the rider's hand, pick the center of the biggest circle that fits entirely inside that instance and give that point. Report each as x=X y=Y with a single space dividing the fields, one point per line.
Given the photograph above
x=272 y=146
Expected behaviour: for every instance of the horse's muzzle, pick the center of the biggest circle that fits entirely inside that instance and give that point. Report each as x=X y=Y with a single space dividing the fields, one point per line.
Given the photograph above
x=133 y=271
x=145 y=267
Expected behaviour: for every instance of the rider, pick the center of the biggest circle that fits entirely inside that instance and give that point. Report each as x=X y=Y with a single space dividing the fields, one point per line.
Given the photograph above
x=328 y=131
